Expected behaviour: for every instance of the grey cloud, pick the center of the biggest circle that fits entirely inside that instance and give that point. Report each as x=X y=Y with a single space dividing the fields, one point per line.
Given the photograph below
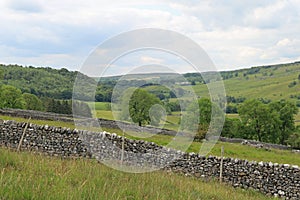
x=224 y=28
x=28 y=6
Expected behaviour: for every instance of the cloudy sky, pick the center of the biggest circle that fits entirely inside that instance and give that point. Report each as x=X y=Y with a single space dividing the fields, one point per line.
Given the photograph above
x=235 y=34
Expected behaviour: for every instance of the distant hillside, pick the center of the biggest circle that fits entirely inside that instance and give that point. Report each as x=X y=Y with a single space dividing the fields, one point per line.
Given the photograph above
x=272 y=82
x=41 y=81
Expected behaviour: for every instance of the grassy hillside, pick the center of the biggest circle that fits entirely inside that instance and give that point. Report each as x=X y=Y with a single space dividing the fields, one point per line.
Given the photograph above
x=269 y=82
x=28 y=176
x=272 y=82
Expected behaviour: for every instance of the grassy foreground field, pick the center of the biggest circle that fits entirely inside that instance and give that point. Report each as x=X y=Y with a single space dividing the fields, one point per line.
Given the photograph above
x=230 y=150
x=27 y=176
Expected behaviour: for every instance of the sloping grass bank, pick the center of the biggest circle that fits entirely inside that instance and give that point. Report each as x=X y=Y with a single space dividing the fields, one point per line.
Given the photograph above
x=27 y=176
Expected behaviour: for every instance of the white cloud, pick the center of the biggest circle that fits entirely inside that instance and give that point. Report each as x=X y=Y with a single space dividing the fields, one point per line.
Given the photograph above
x=267 y=16
x=149 y=59
x=284 y=42
x=234 y=34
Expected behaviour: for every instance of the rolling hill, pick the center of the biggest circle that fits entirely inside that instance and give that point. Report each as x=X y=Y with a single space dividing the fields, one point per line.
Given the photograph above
x=268 y=82
x=272 y=82
x=40 y=81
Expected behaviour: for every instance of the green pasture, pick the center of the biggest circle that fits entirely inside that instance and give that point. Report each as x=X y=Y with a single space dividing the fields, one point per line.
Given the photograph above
x=30 y=176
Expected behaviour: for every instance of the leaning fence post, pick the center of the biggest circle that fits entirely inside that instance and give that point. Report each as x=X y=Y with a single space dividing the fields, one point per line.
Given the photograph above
x=122 y=153
x=221 y=164
x=23 y=134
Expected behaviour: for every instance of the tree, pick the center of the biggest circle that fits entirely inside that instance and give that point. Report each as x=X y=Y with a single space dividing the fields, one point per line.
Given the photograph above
x=80 y=108
x=140 y=104
x=258 y=120
x=174 y=106
x=57 y=106
x=205 y=108
x=286 y=111
x=200 y=121
x=2 y=74
x=231 y=108
x=40 y=81
x=32 y=102
x=273 y=122
x=63 y=106
x=123 y=104
x=294 y=139
x=11 y=97
x=231 y=127
x=157 y=113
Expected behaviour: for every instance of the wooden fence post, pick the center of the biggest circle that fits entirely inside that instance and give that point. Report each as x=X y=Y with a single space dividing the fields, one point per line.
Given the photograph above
x=122 y=153
x=23 y=134
x=221 y=164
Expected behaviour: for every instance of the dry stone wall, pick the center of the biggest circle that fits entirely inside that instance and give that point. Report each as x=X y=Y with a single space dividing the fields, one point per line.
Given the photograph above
x=36 y=115
x=280 y=180
x=53 y=141
x=69 y=118
x=254 y=143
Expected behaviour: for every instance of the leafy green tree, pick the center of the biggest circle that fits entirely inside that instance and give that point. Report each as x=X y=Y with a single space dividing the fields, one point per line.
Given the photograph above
x=81 y=108
x=231 y=127
x=62 y=106
x=294 y=139
x=32 y=102
x=123 y=105
x=174 y=106
x=258 y=120
x=51 y=106
x=205 y=109
x=67 y=107
x=139 y=107
x=57 y=107
x=202 y=119
x=286 y=111
x=104 y=92
x=11 y=97
x=157 y=113
x=1 y=75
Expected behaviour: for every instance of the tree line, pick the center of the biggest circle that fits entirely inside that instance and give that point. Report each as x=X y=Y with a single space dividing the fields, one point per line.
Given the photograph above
x=12 y=97
x=260 y=120
x=272 y=122
x=41 y=81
